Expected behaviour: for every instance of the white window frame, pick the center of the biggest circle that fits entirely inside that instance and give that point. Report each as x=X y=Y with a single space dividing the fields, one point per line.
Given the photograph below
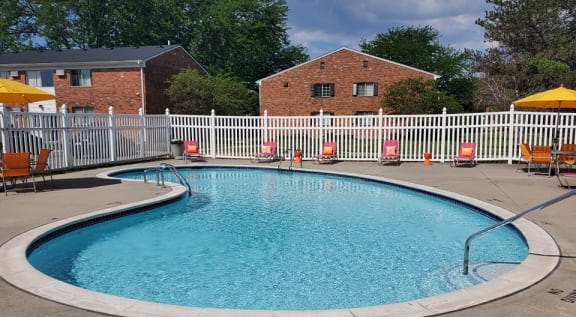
x=365 y=89
x=81 y=77
x=322 y=90
x=40 y=78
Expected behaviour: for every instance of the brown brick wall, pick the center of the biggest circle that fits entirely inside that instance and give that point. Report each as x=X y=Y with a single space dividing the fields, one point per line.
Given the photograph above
x=343 y=68
x=157 y=73
x=119 y=88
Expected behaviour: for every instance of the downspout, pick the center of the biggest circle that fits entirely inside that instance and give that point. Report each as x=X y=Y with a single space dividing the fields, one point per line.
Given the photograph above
x=142 y=90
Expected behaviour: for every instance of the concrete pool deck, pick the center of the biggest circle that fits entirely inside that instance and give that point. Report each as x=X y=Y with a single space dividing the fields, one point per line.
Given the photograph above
x=81 y=192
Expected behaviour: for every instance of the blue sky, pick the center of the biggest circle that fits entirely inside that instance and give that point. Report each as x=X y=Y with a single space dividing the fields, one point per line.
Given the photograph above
x=325 y=25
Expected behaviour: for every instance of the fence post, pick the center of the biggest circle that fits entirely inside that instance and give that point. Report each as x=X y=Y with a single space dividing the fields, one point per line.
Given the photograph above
x=4 y=127
x=68 y=157
x=143 y=133
x=443 y=136
x=511 y=135
x=321 y=131
x=380 y=129
x=213 y=133
x=265 y=126
x=112 y=133
x=170 y=135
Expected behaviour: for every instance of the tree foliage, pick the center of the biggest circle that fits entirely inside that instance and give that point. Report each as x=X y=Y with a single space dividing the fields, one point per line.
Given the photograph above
x=193 y=93
x=535 y=49
x=419 y=47
x=416 y=95
x=242 y=39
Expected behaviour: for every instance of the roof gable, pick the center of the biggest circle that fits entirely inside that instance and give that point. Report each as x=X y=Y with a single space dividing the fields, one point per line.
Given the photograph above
x=349 y=50
x=111 y=57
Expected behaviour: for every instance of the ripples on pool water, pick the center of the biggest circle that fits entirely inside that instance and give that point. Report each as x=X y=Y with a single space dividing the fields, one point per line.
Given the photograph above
x=260 y=239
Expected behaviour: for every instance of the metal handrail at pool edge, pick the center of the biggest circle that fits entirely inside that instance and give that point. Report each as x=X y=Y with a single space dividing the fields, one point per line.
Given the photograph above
x=509 y=220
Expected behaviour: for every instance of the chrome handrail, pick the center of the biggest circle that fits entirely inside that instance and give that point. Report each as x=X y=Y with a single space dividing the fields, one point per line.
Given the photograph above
x=507 y=221
x=160 y=175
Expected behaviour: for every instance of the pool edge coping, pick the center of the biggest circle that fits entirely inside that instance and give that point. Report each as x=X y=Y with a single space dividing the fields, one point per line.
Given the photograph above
x=16 y=270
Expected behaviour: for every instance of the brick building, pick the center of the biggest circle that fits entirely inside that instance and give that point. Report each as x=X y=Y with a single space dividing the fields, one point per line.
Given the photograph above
x=342 y=82
x=92 y=80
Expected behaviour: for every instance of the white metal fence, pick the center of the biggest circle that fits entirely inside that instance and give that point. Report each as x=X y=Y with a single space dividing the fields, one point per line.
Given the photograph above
x=80 y=140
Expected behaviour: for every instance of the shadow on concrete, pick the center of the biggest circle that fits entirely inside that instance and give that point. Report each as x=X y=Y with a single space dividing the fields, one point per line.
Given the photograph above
x=71 y=183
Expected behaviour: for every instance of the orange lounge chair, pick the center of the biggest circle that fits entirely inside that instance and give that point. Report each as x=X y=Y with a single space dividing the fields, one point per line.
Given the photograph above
x=268 y=152
x=389 y=152
x=192 y=151
x=328 y=153
x=14 y=166
x=466 y=155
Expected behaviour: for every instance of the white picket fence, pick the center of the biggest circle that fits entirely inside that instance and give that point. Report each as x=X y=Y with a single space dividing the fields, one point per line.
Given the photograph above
x=80 y=140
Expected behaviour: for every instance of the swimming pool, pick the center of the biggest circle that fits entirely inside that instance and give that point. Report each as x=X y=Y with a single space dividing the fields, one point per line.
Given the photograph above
x=326 y=183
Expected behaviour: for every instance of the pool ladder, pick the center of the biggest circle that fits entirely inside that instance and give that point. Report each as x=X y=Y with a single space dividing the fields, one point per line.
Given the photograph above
x=289 y=153
x=160 y=175
x=509 y=220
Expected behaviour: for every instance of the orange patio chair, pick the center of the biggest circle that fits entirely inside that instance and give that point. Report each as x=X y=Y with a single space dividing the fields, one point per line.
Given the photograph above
x=525 y=156
x=192 y=151
x=16 y=166
x=541 y=155
x=466 y=155
x=567 y=156
x=328 y=153
x=389 y=152
x=41 y=167
x=268 y=152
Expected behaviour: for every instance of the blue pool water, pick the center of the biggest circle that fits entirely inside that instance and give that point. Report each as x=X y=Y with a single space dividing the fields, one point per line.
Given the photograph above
x=260 y=239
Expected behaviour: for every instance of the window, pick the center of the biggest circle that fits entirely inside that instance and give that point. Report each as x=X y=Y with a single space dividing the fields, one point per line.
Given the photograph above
x=4 y=74
x=365 y=89
x=322 y=90
x=79 y=109
x=365 y=118
x=327 y=119
x=80 y=78
x=40 y=78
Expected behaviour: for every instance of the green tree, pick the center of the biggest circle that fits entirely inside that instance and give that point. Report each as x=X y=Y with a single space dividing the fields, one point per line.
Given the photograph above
x=418 y=96
x=534 y=48
x=246 y=38
x=419 y=47
x=193 y=93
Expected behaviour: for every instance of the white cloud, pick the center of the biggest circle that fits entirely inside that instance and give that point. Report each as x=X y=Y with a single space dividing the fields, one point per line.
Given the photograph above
x=325 y=25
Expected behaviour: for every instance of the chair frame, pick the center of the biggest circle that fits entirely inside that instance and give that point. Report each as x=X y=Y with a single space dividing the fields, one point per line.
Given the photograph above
x=328 y=158
x=384 y=157
x=16 y=166
x=460 y=159
x=192 y=156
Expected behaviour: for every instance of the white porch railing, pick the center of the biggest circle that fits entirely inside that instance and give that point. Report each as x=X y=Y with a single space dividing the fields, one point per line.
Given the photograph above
x=80 y=140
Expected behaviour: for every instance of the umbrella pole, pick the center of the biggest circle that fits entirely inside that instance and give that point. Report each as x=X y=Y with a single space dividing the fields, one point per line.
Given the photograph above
x=556 y=138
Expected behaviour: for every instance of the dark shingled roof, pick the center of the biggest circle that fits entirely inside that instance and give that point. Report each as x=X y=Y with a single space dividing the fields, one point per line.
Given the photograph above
x=84 y=56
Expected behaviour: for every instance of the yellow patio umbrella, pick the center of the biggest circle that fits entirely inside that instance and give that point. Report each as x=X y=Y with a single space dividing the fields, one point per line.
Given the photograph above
x=14 y=92
x=556 y=98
